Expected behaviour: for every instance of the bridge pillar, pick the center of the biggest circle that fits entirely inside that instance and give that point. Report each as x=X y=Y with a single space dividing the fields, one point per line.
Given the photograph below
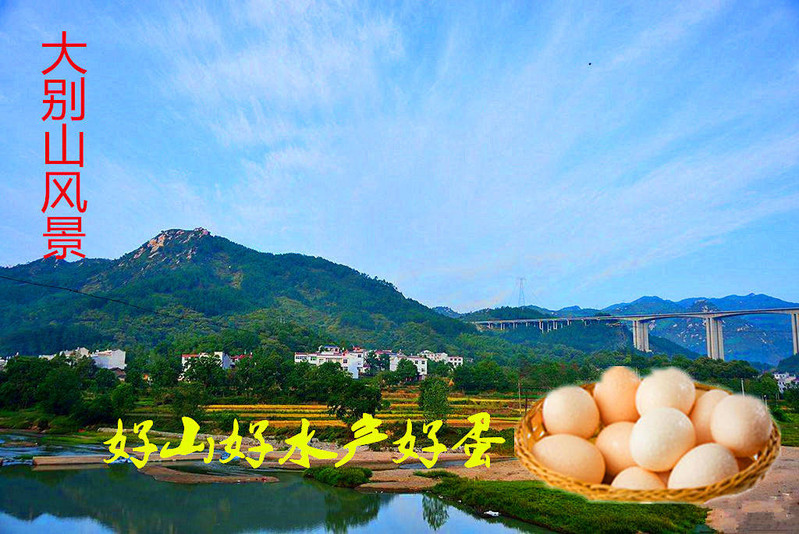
x=641 y=336
x=795 y=332
x=714 y=338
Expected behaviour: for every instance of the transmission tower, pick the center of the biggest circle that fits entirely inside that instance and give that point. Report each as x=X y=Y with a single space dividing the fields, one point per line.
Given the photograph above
x=521 y=291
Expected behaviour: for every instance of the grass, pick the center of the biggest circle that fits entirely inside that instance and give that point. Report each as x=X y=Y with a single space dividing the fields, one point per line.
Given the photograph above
x=435 y=473
x=790 y=429
x=533 y=502
x=343 y=477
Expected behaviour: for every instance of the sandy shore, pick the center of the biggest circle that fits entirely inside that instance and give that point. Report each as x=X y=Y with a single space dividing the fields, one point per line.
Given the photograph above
x=165 y=474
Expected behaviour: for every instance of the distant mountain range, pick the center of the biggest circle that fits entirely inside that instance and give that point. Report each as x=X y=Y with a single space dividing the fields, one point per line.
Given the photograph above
x=756 y=338
x=184 y=284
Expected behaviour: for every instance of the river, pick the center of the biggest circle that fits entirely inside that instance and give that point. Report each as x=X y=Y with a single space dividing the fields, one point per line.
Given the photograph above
x=120 y=499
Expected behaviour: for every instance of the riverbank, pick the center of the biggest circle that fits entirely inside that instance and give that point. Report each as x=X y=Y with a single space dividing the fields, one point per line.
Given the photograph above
x=768 y=507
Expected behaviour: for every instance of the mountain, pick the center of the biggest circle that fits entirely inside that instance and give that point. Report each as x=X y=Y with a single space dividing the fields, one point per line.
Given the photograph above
x=763 y=339
x=202 y=283
x=756 y=338
x=446 y=311
x=583 y=337
x=182 y=285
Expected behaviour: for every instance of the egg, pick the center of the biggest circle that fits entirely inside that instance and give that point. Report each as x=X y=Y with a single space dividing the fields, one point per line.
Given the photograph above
x=571 y=456
x=703 y=409
x=635 y=478
x=664 y=477
x=614 y=444
x=742 y=424
x=703 y=465
x=669 y=387
x=660 y=437
x=615 y=395
x=570 y=410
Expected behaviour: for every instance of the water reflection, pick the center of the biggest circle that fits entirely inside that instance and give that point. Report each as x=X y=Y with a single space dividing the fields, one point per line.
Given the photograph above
x=120 y=499
x=434 y=512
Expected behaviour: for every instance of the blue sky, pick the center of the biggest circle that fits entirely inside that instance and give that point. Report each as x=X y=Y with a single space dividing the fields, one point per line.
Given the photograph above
x=447 y=147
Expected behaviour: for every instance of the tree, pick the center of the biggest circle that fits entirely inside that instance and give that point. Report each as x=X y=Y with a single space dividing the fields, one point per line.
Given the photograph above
x=260 y=375
x=327 y=380
x=87 y=369
x=439 y=368
x=406 y=371
x=60 y=391
x=377 y=362
x=164 y=370
x=205 y=370
x=433 y=399
x=188 y=401
x=20 y=380
x=352 y=402
x=123 y=399
x=105 y=380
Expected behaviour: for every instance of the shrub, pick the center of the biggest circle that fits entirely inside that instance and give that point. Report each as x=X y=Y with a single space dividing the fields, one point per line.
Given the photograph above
x=344 y=477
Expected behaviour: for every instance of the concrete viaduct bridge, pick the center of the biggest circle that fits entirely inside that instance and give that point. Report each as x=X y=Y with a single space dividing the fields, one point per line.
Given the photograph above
x=640 y=328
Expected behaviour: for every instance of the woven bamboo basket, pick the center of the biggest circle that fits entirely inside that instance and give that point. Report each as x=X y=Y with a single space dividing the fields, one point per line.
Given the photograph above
x=530 y=429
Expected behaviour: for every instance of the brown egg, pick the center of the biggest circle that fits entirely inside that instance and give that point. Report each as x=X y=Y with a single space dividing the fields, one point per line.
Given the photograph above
x=703 y=409
x=615 y=395
x=660 y=437
x=635 y=478
x=571 y=456
x=666 y=388
x=614 y=444
x=742 y=424
x=664 y=477
x=703 y=465
x=570 y=410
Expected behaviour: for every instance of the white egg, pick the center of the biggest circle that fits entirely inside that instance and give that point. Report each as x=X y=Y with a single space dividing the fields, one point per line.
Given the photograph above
x=742 y=424
x=635 y=478
x=614 y=444
x=615 y=395
x=703 y=409
x=660 y=437
x=666 y=388
x=571 y=456
x=703 y=465
x=570 y=410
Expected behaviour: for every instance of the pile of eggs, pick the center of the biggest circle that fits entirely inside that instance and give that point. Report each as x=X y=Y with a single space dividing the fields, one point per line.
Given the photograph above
x=657 y=433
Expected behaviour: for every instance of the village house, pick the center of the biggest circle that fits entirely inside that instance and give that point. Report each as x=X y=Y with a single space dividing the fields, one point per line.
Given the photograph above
x=354 y=360
x=350 y=361
x=109 y=359
x=786 y=381
x=455 y=361
x=105 y=359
